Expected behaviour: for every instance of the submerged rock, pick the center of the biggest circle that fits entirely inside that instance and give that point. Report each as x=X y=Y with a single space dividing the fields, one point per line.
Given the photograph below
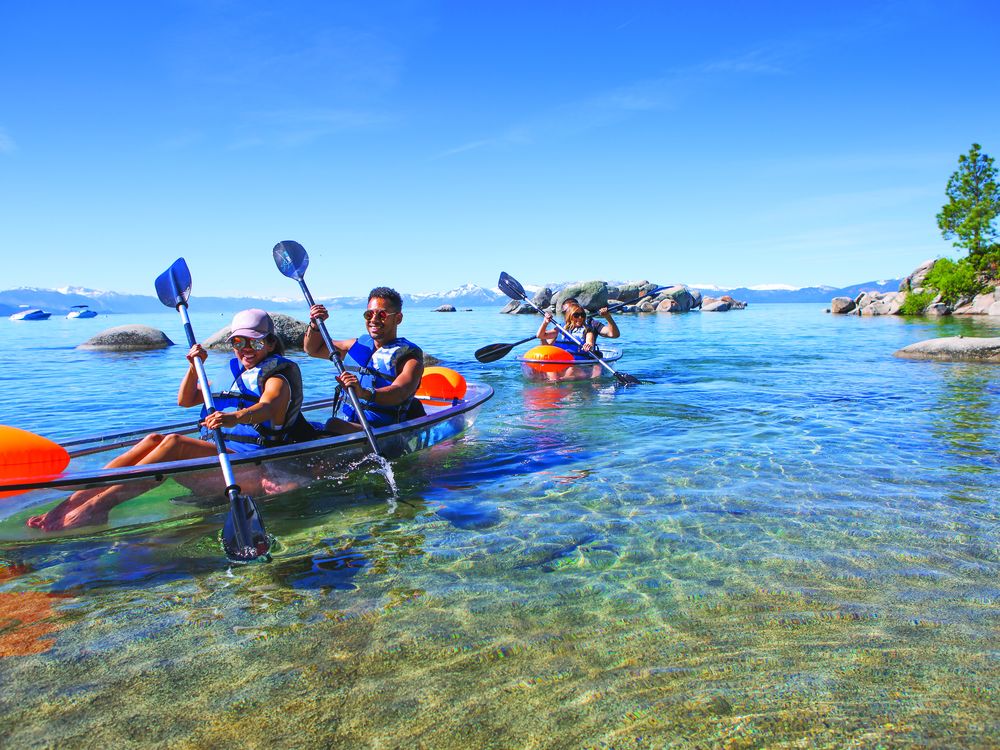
x=954 y=349
x=128 y=338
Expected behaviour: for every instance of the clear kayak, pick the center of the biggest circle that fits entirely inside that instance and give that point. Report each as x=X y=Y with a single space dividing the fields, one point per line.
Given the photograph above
x=198 y=482
x=551 y=364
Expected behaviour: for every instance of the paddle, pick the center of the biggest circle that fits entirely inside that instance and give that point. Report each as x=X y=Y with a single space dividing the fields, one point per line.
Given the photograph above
x=493 y=352
x=243 y=536
x=513 y=289
x=292 y=260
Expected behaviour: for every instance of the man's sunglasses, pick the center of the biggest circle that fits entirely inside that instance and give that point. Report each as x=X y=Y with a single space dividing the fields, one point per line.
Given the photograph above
x=242 y=342
x=379 y=315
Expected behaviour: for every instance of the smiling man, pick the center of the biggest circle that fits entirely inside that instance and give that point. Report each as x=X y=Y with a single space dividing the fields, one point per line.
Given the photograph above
x=383 y=369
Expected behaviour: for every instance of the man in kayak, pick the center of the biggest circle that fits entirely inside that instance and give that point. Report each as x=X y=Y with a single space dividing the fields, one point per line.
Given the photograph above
x=388 y=367
x=266 y=394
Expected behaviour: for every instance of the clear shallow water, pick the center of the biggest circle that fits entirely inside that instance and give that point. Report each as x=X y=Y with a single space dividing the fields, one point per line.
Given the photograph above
x=789 y=539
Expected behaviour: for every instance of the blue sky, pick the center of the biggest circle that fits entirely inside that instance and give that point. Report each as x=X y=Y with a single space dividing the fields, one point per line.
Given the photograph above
x=429 y=144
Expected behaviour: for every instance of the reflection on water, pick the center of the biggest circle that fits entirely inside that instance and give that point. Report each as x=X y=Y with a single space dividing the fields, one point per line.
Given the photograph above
x=770 y=545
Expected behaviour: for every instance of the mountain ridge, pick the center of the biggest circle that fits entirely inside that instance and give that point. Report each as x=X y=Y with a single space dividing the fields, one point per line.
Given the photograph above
x=62 y=300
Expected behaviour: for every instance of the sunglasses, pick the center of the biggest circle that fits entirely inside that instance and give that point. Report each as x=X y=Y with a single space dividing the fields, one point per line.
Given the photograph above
x=242 y=342
x=378 y=315
x=578 y=314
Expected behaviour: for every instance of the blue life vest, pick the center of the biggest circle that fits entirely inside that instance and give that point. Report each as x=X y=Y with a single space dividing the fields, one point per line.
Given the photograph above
x=580 y=332
x=246 y=389
x=377 y=368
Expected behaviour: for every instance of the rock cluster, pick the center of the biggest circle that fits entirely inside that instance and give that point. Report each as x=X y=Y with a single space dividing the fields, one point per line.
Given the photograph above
x=890 y=303
x=593 y=295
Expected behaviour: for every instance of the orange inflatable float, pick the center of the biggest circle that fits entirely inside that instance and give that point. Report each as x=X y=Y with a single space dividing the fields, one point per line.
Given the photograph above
x=27 y=456
x=546 y=358
x=441 y=384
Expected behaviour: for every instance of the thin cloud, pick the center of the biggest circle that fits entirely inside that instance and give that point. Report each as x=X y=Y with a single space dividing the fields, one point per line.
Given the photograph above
x=298 y=127
x=664 y=93
x=7 y=145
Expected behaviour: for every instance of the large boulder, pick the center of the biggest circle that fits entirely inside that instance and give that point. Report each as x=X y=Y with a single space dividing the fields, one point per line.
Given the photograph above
x=712 y=304
x=630 y=291
x=954 y=349
x=128 y=338
x=684 y=299
x=981 y=304
x=842 y=305
x=915 y=281
x=592 y=295
x=542 y=298
x=445 y=308
x=288 y=329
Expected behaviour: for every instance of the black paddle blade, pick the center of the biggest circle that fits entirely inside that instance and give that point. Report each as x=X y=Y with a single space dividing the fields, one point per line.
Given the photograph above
x=493 y=352
x=173 y=286
x=260 y=543
x=625 y=379
x=510 y=286
x=291 y=259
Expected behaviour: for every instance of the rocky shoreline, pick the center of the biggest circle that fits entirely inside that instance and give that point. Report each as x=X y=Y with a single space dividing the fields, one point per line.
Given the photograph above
x=891 y=303
x=640 y=296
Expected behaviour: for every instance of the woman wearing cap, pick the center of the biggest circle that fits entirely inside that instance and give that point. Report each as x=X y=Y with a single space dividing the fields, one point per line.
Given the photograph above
x=266 y=395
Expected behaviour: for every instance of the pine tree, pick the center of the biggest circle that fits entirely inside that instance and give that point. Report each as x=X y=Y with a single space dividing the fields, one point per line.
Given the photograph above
x=973 y=204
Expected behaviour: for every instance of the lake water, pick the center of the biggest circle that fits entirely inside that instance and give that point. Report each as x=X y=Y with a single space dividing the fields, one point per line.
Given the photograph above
x=789 y=538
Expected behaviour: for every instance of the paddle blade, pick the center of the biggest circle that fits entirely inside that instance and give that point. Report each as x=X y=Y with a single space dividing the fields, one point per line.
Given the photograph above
x=493 y=352
x=291 y=259
x=259 y=545
x=173 y=286
x=625 y=379
x=510 y=286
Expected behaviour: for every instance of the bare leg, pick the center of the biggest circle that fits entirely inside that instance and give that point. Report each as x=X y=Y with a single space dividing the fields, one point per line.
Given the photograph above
x=88 y=507
x=337 y=426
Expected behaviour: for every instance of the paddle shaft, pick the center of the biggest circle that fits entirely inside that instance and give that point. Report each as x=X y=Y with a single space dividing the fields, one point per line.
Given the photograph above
x=232 y=489
x=620 y=305
x=335 y=358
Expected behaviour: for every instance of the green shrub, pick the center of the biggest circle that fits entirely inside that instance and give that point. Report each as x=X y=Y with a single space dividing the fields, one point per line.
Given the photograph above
x=953 y=280
x=915 y=303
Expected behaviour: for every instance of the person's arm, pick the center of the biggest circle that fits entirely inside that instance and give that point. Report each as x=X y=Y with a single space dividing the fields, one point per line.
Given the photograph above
x=609 y=329
x=189 y=394
x=544 y=335
x=313 y=341
x=402 y=388
x=272 y=407
x=589 y=339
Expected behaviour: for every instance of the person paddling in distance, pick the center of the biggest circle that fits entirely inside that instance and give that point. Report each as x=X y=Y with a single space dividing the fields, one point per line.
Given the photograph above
x=388 y=367
x=609 y=329
x=575 y=323
x=265 y=395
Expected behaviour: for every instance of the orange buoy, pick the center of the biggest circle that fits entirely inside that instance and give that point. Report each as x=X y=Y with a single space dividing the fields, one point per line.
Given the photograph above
x=548 y=358
x=27 y=456
x=441 y=383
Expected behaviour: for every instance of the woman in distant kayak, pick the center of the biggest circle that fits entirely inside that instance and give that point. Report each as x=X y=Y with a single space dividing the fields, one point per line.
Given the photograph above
x=266 y=395
x=575 y=323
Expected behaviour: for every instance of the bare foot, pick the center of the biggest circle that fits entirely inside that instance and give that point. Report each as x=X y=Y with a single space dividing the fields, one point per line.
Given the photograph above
x=79 y=514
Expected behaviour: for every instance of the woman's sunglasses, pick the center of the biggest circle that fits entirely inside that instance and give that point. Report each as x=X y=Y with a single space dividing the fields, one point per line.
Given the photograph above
x=379 y=315
x=242 y=342
x=578 y=314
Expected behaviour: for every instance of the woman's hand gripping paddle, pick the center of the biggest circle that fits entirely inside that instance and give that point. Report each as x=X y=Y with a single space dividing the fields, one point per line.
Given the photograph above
x=292 y=260
x=513 y=289
x=493 y=352
x=243 y=536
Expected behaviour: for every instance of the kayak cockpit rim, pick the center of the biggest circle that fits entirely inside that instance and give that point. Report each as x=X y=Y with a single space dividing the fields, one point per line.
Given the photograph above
x=476 y=395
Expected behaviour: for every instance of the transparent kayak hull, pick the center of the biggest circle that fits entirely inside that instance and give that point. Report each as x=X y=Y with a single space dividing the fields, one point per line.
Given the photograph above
x=199 y=483
x=570 y=369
